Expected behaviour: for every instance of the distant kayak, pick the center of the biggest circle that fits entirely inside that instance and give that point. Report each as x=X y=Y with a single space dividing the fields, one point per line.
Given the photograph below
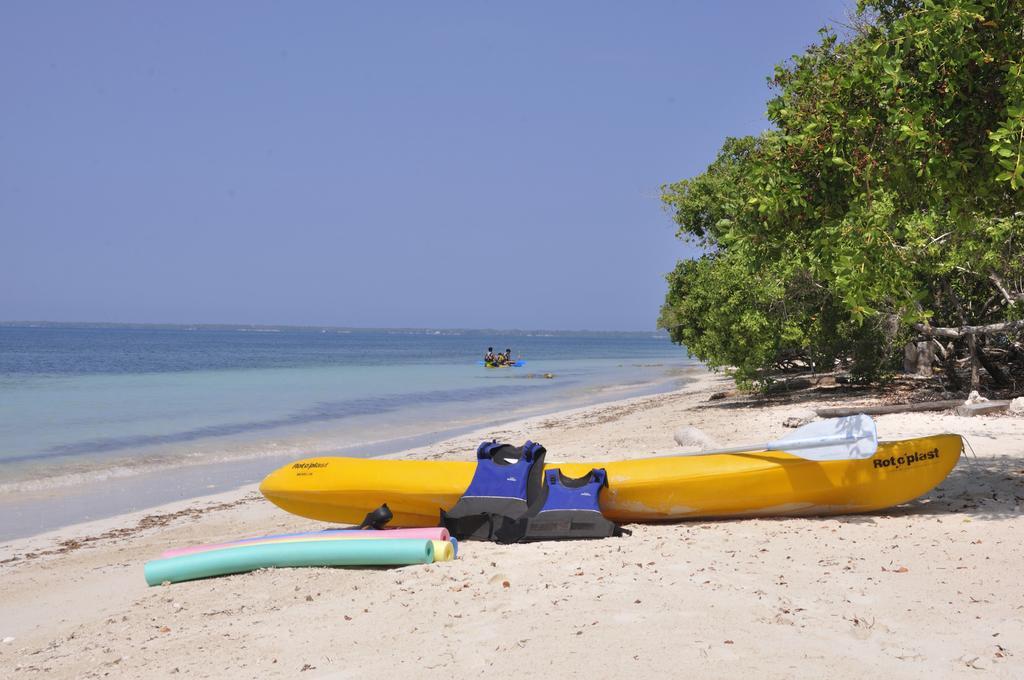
x=515 y=364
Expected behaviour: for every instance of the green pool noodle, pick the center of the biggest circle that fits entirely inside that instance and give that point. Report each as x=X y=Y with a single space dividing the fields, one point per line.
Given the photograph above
x=236 y=560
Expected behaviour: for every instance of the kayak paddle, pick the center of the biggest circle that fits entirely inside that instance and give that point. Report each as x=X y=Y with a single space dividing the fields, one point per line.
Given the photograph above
x=849 y=438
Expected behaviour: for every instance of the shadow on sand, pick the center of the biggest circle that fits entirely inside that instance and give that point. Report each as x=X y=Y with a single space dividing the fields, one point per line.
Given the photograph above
x=984 y=488
x=791 y=398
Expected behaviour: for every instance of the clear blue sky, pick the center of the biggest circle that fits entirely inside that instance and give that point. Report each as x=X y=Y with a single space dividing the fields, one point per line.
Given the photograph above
x=441 y=164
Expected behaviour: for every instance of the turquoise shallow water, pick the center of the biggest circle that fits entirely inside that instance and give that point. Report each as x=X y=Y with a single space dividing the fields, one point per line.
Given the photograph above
x=117 y=412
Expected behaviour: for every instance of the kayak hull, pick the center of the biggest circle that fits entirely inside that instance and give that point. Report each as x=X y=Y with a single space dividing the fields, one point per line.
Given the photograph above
x=768 y=483
x=514 y=364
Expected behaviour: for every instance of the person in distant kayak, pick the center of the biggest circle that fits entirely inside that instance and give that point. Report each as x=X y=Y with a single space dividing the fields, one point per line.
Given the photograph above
x=489 y=358
x=508 y=356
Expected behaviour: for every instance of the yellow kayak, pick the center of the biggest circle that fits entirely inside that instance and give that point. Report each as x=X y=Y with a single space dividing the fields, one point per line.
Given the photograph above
x=644 y=489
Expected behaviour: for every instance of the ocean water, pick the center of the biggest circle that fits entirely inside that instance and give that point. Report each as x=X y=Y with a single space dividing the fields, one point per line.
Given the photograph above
x=101 y=420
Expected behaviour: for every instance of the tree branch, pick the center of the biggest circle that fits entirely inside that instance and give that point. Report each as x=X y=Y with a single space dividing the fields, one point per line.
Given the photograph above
x=1010 y=298
x=964 y=331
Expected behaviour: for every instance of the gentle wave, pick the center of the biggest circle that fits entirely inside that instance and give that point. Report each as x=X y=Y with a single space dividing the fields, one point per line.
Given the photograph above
x=74 y=475
x=319 y=413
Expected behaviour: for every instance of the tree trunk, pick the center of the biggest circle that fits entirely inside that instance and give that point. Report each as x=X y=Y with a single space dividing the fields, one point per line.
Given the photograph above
x=993 y=370
x=909 y=358
x=972 y=349
x=925 y=357
x=955 y=384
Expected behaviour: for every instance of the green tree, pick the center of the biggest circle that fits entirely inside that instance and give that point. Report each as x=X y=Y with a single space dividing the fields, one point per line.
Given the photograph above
x=886 y=202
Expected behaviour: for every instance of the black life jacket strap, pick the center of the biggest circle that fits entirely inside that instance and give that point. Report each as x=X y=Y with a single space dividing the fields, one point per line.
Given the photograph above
x=376 y=519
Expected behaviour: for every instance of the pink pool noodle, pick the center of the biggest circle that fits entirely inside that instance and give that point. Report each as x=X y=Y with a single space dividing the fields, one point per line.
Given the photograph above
x=427 y=533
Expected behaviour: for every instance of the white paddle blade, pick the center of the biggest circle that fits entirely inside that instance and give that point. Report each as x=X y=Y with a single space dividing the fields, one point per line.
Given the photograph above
x=849 y=438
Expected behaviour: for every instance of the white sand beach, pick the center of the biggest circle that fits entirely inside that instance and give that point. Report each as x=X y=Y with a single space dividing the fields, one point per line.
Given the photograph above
x=929 y=589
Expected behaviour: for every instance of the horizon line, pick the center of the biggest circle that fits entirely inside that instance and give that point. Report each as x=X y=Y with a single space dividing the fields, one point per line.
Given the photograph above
x=235 y=326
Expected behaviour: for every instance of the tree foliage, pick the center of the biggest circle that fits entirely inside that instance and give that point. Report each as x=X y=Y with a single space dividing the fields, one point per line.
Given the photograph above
x=888 y=194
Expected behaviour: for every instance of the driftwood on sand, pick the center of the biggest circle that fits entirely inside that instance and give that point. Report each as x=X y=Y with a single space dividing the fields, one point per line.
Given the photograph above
x=982 y=408
x=894 y=408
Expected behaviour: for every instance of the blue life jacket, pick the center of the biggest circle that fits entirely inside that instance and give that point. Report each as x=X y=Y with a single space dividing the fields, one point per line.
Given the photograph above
x=565 y=493
x=569 y=508
x=505 y=480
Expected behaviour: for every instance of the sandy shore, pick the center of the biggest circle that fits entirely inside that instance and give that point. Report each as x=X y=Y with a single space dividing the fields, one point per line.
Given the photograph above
x=930 y=589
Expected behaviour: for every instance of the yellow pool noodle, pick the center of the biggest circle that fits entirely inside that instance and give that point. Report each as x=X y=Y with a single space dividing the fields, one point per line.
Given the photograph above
x=443 y=551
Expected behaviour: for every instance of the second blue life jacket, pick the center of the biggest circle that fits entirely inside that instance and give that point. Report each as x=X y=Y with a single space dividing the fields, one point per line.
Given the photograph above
x=568 y=509
x=506 y=479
